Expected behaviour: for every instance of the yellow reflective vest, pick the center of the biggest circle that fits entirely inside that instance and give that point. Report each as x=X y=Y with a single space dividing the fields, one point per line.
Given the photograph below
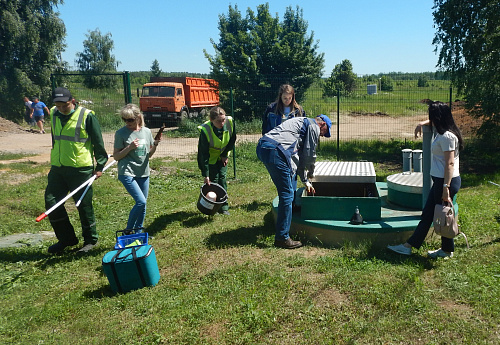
x=72 y=146
x=216 y=145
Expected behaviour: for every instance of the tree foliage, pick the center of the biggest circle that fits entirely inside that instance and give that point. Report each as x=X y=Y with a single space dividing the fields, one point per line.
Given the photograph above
x=257 y=53
x=97 y=58
x=31 y=41
x=423 y=81
x=386 y=83
x=155 y=69
x=468 y=41
x=342 y=78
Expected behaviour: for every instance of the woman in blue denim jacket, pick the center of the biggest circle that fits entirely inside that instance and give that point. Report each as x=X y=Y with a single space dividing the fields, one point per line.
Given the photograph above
x=285 y=107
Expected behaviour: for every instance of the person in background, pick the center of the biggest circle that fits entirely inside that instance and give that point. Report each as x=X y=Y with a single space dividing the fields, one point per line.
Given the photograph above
x=285 y=107
x=37 y=113
x=134 y=145
x=217 y=139
x=445 y=175
x=76 y=141
x=27 y=112
x=286 y=150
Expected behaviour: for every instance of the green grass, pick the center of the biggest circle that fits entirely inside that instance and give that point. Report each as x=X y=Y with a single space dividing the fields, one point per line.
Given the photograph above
x=222 y=281
x=6 y=156
x=405 y=99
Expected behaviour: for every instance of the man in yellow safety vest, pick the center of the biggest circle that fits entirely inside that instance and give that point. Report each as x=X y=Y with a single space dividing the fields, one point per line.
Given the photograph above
x=76 y=141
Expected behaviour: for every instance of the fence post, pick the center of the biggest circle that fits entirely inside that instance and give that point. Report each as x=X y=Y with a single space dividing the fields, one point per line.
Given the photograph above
x=52 y=82
x=129 y=93
x=338 y=125
x=426 y=163
x=126 y=87
x=234 y=124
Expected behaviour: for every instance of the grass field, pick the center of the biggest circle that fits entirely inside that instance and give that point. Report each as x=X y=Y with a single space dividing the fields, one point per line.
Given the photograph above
x=223 y=282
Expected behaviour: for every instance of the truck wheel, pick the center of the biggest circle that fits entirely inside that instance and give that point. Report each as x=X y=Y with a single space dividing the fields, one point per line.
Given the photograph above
x=184 y=114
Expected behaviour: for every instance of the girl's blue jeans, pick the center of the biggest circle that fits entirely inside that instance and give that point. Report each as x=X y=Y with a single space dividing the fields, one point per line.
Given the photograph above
x=138 y=188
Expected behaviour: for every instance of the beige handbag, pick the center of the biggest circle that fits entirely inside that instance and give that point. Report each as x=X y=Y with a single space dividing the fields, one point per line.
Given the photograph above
x=445 y=222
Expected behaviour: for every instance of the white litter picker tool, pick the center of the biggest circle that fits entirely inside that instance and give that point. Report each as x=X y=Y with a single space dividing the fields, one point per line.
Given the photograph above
x=87 y=184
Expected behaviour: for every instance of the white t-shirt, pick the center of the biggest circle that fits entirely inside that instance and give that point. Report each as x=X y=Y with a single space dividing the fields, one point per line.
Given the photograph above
x=441 y=143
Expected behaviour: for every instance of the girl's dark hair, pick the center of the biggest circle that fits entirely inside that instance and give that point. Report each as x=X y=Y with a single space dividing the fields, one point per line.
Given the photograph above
x=441 y=118
x=287 y=88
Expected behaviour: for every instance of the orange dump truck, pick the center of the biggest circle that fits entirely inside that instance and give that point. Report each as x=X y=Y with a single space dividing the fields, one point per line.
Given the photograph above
x=169 y=99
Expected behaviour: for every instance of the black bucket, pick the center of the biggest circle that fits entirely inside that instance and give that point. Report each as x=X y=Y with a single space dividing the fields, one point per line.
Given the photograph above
x=207 y=206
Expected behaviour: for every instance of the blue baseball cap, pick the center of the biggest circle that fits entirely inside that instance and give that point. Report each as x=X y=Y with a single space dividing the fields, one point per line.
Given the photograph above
x=328 y=124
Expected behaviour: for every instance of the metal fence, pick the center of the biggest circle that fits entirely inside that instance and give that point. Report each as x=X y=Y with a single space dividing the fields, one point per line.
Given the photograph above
x=366 y=113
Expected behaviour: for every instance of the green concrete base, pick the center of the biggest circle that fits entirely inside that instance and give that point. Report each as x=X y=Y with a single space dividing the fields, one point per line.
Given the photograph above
x=395 y=226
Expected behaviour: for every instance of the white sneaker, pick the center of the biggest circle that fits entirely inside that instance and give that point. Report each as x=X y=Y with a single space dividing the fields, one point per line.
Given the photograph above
x=400 y=249
x=439 y=253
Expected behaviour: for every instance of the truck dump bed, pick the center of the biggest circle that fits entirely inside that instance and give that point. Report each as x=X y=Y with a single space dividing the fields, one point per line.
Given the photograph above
x=198 y=92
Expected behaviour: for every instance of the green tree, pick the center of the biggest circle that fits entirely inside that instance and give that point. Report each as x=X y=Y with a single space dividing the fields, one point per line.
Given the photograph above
x=155 y=69
x=31 y=42
x=257 y=53
x=342 y=78
x=97 y=58
x=386 y=83
x=468 y=41
x=423 y=81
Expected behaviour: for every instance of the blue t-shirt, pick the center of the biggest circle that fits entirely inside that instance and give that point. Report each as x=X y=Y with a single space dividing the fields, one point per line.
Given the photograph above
x=38 y=108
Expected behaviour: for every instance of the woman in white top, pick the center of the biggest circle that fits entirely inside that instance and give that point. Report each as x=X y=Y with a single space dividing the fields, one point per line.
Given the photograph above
x=445 y=175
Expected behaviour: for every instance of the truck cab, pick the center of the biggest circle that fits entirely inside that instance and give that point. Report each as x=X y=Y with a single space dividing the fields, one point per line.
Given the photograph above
x=161 y=101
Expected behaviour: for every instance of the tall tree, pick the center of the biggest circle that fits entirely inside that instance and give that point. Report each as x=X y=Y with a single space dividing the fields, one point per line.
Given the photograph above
x=257 y=53
x=155 y=69
x=97 y=58
x=342 y=78
x=468 y=41
x=31 y=42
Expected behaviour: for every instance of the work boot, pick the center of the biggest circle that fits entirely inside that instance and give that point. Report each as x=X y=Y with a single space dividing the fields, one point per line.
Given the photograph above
x=87 y=247
x=288 y=244
x=60 y=246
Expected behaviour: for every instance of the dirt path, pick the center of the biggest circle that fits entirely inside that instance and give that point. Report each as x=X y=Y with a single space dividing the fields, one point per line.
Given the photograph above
x=15 y=139
x=38 y=145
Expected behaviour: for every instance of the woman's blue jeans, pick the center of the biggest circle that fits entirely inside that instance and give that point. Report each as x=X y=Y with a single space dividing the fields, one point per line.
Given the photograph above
x=434 y=198
x=138 y=188
x=282 y=176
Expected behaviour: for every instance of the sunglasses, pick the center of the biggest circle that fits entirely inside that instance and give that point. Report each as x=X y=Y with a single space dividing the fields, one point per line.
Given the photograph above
x=128 y=120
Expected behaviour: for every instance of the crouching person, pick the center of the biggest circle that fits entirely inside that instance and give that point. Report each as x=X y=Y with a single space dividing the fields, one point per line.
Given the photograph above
x=286 y=150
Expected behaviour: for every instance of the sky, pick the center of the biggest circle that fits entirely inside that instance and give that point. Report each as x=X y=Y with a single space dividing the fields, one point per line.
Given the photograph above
x=376 y=36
